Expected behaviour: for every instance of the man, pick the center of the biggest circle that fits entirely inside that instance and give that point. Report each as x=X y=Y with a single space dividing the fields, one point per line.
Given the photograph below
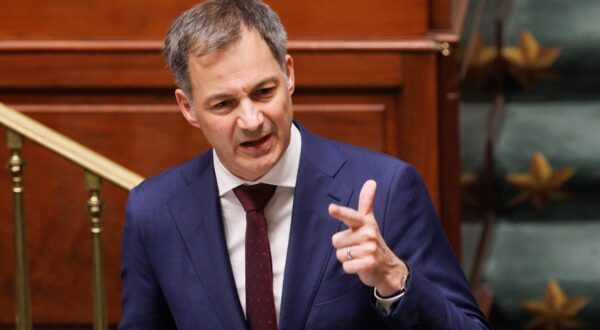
x=349 y=240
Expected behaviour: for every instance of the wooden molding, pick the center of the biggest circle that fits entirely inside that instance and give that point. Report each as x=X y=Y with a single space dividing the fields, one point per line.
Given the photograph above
x=152 y=46
x=95 y=46
x=150 y=108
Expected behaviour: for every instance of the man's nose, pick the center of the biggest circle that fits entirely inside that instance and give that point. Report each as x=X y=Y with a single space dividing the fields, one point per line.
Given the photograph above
x=250 y=117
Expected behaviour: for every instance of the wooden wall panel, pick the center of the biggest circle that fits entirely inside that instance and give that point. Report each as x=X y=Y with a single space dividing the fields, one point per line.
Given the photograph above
x=148 y=70
x=354 y=19
x=417 y=120
x=441 y=14
x=358 y=70
x=83 y=70
x=134 y=19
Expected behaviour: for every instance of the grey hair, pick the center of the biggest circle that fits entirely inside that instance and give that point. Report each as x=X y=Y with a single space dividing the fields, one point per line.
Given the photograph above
x=216 y=24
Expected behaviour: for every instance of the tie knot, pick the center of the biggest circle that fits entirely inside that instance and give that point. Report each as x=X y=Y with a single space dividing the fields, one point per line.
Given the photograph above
x=254 y=197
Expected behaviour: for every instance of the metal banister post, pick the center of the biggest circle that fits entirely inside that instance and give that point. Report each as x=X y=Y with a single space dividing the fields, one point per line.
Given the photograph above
x=94 y=205
x=15 y=165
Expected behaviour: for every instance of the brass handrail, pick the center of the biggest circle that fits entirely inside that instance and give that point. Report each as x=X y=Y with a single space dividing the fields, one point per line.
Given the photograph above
x=68 y=148
x=96 y=167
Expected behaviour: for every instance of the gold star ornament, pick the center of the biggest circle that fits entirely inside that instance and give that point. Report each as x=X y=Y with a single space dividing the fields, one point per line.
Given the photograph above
x=530 y=63
x=556 y=311
x=541 y=185
x=527 y=63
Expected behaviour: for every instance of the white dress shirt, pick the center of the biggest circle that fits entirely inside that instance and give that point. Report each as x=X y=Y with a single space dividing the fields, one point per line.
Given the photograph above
x=278 y=214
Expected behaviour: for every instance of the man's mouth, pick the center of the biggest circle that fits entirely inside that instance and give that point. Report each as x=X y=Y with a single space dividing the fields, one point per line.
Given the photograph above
x=255 y=143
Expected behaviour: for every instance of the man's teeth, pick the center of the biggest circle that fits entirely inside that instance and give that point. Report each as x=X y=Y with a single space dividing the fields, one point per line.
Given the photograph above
x=255 y=142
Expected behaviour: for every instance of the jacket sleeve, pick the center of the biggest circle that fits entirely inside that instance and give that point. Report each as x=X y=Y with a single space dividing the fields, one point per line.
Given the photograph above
x=437 y=295
x=142 y=302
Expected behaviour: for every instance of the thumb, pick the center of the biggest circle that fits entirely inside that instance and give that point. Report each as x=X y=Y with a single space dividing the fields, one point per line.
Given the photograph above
x=366 y=197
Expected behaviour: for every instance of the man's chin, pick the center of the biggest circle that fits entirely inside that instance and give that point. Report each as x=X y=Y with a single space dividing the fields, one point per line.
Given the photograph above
x=254 y=169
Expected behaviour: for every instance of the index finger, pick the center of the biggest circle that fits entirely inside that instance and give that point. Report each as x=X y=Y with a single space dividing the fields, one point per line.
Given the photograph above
x=349 y=216
x=366 y=197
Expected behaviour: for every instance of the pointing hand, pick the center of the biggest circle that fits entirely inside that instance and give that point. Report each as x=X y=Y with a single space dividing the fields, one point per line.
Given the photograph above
x=361 y=248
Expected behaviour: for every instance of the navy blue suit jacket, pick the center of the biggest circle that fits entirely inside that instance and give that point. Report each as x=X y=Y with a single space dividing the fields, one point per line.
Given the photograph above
x=175 y=264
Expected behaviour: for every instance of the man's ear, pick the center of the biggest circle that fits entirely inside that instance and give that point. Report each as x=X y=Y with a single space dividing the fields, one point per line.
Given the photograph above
x=289 y=68
x=186 y=107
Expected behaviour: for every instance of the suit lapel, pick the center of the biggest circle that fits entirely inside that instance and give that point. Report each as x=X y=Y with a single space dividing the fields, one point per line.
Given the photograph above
x=198 y=217
x=311 y=229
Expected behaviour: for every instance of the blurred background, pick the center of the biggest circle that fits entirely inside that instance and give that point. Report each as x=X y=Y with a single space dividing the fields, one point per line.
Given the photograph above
x=530 y=130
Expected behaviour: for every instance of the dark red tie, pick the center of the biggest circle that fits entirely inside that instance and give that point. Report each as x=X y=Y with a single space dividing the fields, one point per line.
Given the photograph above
x=260 y=304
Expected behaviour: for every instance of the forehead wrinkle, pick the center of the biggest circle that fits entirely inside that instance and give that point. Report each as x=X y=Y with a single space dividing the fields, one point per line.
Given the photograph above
x=227 y=77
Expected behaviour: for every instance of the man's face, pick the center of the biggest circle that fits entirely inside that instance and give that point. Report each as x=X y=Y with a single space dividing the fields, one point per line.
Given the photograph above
x=242 y=103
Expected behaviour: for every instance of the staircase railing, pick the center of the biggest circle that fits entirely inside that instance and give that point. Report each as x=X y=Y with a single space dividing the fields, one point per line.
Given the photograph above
x=96 y=167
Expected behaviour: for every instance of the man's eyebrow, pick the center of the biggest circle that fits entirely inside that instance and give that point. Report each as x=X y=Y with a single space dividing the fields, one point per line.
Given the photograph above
x=266 y=81
x=216 y=97
x=222 y=96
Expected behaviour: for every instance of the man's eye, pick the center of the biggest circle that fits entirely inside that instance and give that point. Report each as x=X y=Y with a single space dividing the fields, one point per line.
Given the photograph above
x=221 y=104
x=264 y=92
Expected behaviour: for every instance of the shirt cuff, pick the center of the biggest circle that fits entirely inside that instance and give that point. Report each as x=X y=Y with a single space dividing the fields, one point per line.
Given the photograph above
x=385 y=304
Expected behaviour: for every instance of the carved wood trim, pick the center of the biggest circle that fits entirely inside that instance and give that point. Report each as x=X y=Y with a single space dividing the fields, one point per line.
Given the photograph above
x=152 y=46
x=81 y=108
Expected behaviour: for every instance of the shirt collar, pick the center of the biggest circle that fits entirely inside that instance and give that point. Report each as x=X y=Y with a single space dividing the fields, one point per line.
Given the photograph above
x=284 y=172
